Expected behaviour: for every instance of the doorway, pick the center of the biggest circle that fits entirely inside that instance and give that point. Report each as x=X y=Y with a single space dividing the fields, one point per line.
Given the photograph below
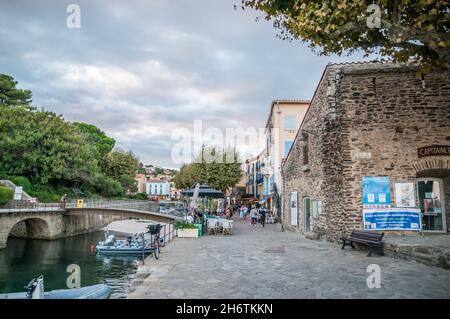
x=432 y=204
x=307 y=214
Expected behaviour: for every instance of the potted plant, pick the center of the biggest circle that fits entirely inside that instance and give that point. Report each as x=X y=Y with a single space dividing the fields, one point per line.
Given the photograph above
x=185 y=229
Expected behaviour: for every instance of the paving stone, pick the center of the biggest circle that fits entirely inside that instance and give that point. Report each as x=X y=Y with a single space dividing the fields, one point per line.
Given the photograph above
x=267 y=263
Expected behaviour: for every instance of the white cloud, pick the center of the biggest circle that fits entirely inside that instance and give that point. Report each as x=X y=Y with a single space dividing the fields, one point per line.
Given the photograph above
x=138 y=72
x=97 y=79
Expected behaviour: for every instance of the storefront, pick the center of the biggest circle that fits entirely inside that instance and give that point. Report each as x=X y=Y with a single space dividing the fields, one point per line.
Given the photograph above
x=417 y=204
x=369 y=157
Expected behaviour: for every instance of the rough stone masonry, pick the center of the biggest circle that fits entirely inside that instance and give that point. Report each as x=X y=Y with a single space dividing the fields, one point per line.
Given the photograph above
x=366 y=119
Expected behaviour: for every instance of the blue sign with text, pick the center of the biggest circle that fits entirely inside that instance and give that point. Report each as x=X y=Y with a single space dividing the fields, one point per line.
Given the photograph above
x=376 y=193
x=392 y=219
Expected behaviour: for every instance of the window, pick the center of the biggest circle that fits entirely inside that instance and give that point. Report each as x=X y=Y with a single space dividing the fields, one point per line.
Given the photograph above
x=287 y=147
x=306 y=214
x=306 y=151
x=316 y=208
x=289 y=122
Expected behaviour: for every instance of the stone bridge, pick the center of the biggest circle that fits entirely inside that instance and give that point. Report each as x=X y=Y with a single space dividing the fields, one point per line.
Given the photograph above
x=57 y=223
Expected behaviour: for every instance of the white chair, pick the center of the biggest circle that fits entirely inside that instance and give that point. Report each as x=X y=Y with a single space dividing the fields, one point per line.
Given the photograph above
x=213 y=226
x=227 y=226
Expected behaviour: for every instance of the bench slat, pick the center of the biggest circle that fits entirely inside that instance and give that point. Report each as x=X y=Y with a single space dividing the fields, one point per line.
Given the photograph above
x=377 y=243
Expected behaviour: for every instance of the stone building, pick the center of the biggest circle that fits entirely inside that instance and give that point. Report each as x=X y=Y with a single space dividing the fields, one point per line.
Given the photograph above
x=369 y=120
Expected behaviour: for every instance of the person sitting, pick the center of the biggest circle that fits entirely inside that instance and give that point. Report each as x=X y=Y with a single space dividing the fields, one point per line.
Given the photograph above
x=228 y=213
x=189 y=219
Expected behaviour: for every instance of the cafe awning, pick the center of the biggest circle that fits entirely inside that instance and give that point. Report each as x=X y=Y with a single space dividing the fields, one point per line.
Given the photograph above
x=204 y=191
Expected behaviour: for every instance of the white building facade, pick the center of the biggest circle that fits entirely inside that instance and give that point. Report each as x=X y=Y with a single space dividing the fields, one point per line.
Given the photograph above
x=158 y=188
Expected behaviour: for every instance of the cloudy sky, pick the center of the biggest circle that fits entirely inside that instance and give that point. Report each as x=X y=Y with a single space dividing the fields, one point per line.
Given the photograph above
x=140 y=69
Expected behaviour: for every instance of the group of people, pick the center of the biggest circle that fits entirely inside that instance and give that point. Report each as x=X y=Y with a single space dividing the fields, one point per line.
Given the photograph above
x=195 y=216
x=256 y=214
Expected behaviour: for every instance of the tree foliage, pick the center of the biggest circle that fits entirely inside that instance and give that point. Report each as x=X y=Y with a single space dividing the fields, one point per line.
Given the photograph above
x=409 y=30
x=42 y=146
x=185 y=177
x=10 y=94
x=6 y=194
x=107 y=186
x=220 y=169
x=50 y=156
x=100 y=142
x=119 y=163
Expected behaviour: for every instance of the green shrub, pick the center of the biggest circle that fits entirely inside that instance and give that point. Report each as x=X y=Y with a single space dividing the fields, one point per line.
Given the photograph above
x=128 y=183
x=180 y=224
x=21 y=181
x=48 y=193
x=107 y=186
x=140 y=196
x=6 y=195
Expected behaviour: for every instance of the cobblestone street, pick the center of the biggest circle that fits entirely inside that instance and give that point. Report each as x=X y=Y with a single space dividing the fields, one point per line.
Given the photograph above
x=265 y=263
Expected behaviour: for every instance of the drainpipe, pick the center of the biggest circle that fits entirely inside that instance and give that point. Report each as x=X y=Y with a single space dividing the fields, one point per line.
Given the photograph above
x=282 y=198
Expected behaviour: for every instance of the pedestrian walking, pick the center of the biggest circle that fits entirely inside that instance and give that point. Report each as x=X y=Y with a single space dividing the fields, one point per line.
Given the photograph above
x=262 y=214
x=63 y=201
x=241 y=212
x=254 y=216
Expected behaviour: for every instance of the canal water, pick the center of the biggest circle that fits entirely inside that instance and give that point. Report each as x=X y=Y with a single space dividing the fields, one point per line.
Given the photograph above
x=24 y=259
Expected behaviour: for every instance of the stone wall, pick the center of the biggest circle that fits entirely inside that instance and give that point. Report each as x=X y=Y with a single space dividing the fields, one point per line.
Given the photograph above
x=366 y=120
x=50 y=225
x=38 y=225
x=320 y=130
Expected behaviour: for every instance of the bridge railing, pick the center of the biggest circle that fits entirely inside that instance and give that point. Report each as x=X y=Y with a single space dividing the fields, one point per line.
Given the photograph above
x=133 y=204
x=112 y=203
x=126 y=204
x=26 y=205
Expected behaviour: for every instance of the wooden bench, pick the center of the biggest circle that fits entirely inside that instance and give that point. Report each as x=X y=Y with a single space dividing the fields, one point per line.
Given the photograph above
x=371 y=239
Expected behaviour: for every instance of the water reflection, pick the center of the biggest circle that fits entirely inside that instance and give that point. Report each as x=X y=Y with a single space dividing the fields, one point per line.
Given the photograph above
x=24 y=259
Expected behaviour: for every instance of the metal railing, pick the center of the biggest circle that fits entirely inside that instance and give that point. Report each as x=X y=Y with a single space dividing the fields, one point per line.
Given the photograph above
x=112 y=203
x=125 y=204
x=132 y=204
x=30 y=206
x=171 y=233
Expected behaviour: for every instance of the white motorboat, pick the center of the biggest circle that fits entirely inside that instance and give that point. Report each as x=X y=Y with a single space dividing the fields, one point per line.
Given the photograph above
x=35 y=290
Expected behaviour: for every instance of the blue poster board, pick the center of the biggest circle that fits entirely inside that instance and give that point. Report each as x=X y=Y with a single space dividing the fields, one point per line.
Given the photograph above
x=392 y=219
x=376 y=193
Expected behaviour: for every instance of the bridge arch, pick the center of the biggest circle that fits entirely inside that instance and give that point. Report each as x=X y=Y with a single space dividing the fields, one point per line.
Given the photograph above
x=72 y=221
x=33 y=227
x=29 y=225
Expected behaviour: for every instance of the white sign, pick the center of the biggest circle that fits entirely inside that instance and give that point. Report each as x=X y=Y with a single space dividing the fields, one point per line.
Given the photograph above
x=294 y=209
x=392 y=219
x=365 y=155
x=18 y=193
x=404 y=195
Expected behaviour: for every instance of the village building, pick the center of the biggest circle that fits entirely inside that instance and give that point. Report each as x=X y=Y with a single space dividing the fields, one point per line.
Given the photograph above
x=376 y=136
x=158 y=189
x=141 y=182
x=238 y=192
x=285 y=117
x=254 y=180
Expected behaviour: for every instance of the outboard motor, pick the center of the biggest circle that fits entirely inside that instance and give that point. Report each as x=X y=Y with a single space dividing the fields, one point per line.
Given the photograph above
x=35 y=289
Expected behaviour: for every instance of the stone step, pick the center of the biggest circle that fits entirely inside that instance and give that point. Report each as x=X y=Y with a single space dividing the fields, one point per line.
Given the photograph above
x=427 y=253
